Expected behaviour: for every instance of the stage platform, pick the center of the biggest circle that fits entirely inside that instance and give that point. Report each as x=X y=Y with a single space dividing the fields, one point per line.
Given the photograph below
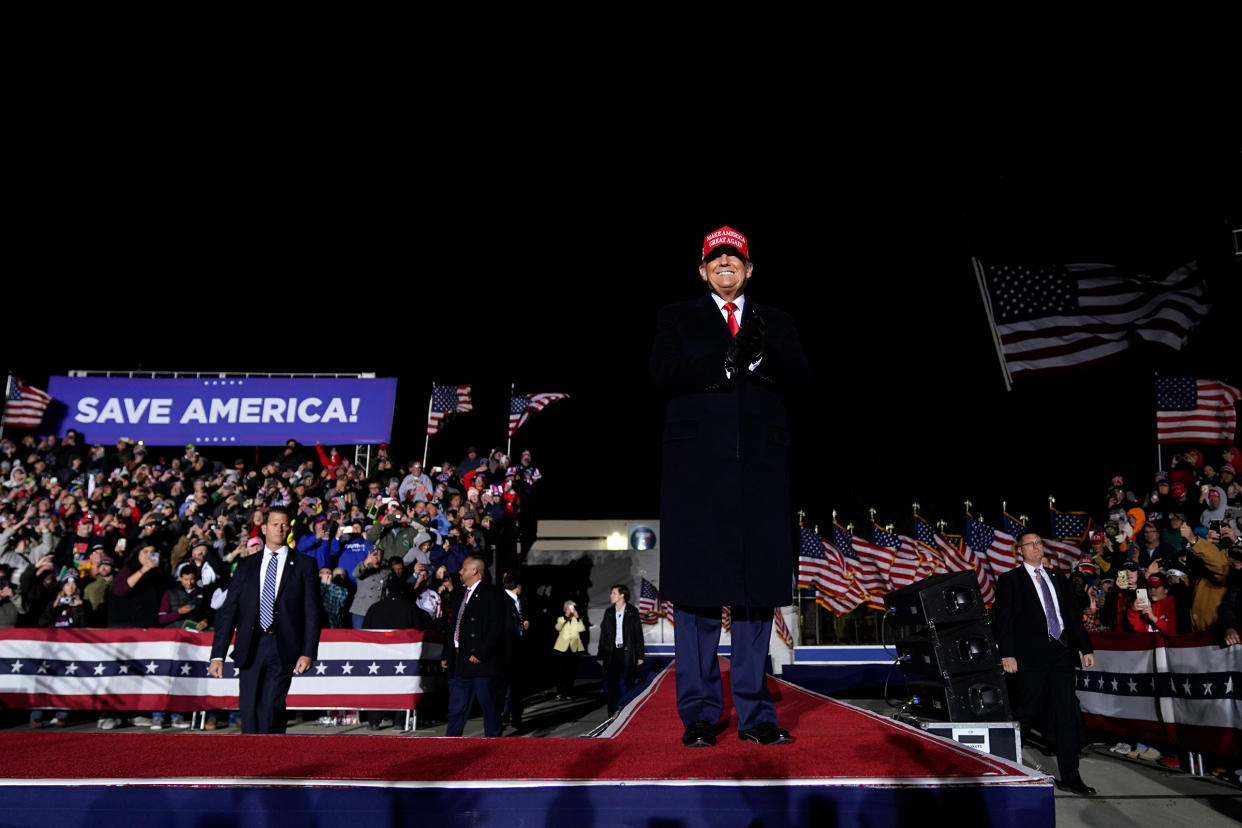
x=846 y=766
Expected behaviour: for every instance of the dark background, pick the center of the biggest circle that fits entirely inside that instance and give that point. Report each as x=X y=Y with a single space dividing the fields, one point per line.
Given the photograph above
x=484 y=254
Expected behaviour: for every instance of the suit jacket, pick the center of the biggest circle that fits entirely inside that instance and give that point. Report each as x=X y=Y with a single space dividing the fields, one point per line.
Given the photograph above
x=727 y=529
x=483 y=625
x=1022 y=628
x=632 y=635
x=296 y=616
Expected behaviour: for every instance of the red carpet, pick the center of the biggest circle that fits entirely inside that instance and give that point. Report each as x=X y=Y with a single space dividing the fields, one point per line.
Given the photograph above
x=833 y=743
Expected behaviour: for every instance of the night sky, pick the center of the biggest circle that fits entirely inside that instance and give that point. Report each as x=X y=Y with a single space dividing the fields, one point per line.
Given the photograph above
x=543 y=263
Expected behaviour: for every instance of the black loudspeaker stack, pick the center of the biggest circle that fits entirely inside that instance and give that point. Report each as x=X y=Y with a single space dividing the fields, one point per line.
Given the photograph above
x=948 y=654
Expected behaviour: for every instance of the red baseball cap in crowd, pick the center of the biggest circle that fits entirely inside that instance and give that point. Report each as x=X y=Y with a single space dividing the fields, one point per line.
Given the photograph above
x=726 y=236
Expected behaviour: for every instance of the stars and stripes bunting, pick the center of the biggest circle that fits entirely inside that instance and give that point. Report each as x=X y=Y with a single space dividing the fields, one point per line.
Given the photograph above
x=1195 y=410
x=521 y=406
x=447 y=400
x=99 y=669
x=24 y=404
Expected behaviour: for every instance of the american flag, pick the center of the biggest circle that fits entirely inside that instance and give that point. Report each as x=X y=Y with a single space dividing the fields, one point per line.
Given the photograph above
x=1195 y=410
x=1053 y=316
x=1069 y=525
x=446 y=400
x=990 y=545
x=25 y=405
x=814 y=569
x=781 y=628
x=931 y=557
x=959 y=556
x=157 y=669
x=905 y=559
x=648 y=602
x=1069 y=529
x=865 y=574
x=726 y=619
x=521 y=406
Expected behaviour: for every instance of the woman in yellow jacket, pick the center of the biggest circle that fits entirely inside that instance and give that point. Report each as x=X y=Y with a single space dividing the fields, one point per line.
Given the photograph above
x=569 y=628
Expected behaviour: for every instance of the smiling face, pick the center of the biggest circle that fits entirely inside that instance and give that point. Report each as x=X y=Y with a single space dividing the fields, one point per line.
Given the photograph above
x=726 y=273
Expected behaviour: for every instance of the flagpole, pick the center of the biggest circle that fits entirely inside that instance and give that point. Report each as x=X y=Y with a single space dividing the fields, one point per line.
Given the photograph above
x=427 y=441
x=987 y=307
x=1159 y=446
x=8 y=389
x=509 y=444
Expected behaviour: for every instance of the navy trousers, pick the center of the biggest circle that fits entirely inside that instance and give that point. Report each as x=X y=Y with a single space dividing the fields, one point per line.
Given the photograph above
x=696 y=636
x=262 y=689
x=463 y=692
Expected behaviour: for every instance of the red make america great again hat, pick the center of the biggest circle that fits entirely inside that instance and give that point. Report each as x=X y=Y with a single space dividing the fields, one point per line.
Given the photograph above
x=729 y=236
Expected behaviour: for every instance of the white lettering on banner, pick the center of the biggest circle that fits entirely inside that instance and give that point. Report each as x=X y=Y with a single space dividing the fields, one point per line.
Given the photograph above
x=303 y=415
x=335 y=412
x=250 y=409
x=111 y=412
x=159 y=410
x=273 y=410
x=225 y=410
x=86 y=410
x=194 y=412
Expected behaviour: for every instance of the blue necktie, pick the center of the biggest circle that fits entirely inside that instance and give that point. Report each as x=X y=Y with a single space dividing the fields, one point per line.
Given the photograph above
x=1050 y=609
x=267 y=601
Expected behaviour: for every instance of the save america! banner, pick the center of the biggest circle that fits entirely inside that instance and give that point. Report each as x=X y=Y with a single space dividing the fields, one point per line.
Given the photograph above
x=249 y=411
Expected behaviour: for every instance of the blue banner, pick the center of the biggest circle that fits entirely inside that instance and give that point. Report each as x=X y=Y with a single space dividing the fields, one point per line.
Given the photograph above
x=250 y=411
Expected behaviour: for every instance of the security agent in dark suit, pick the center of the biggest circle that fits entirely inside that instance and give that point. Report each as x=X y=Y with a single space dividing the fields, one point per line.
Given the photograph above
x=273 y=605
x=622 y=659
x=1041 y=640
x=727 y=366
x=475 y=652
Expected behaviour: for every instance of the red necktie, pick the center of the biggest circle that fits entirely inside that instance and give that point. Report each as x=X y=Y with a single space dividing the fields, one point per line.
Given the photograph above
x=730 y=307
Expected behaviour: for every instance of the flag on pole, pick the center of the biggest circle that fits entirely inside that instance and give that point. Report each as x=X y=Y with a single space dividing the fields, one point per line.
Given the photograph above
x=1069 y=530
x=782 y=629
x=931 y=557
x=990 y=545
x=1054 y=316
x=1195 y=411
x=521 y=406
x=25 y=405
x=726 y=619
x=863 y=573
x=648 y=602
x=957 y=550
x=446 y=400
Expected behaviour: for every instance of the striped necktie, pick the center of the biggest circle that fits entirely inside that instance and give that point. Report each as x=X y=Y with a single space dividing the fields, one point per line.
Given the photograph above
x=267 y=601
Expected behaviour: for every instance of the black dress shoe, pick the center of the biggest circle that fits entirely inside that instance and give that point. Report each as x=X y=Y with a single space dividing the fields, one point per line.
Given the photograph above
x=1079 y=787
x=766 y=733
x=699 y=734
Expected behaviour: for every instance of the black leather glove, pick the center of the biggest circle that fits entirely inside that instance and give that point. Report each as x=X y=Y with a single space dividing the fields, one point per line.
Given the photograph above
x=747 y=346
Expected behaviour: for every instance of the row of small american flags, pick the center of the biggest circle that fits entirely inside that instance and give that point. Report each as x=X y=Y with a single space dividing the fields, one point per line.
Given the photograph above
x=845 y=572
x=651 y=608
x=448 y=400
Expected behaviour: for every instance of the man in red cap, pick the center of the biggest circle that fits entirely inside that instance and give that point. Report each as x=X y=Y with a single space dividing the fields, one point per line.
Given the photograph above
x=726 y=366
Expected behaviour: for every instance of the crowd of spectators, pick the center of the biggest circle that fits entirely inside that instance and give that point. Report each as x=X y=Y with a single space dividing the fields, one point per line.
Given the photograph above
x=128 y=536
x=1167 y=559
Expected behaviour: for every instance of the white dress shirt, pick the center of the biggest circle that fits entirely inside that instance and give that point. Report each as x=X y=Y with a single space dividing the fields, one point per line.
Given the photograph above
x=1037 y=572
x=282 y=556
x=740 y=302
